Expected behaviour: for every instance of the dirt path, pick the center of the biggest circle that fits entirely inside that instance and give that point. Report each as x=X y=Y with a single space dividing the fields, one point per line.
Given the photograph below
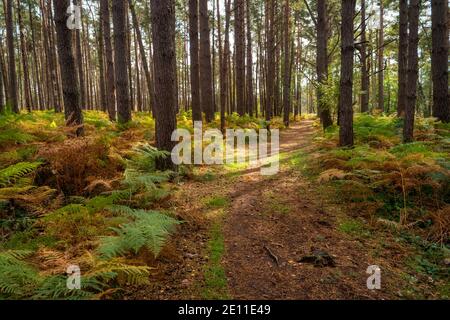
x=266 y=225
x=273 y=222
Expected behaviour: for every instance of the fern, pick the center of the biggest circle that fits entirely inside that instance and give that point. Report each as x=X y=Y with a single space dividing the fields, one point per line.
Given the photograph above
x=149 y=229
x=17 y=278
x=14 y=172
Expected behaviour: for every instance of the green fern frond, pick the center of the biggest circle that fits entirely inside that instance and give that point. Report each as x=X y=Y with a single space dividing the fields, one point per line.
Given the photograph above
x=16 y=171
x=150 y=229
x=17 y=278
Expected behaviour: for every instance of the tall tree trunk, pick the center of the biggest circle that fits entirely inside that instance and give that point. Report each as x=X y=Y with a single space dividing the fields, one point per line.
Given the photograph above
x=364 y=72
x=110 y=77
x=163 y=35
x=35 y=59
x=193 y=52
x=13 y=97
x=439 y=60
x=80 y=64
x=101 y=65
x=322 y=62
x=381 y=59
x=206 y=94
x=270 y=65
x=71 y=91
x=287 y=67
x=239 y=36
x=346 y=91
x=411 y=96
x=2 y=97
x=402 y=58
x=23 y=49
x=249 y=99
x=119 y=11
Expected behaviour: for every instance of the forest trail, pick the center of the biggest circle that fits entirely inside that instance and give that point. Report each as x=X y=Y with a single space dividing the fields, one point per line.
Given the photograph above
x=244 y=234
x=274 y=221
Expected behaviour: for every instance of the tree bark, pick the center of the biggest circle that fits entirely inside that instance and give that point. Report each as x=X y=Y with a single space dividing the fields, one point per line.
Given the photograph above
x=163 y=35
x=402 y=58
x=439 y=60
x=270 y=62
x=381 y=59
x=13 y=97
x=109 y=70
x=411 y=96
x=206 y=94
x=322 y=62
x=249 y=98
x=239 y=36
x=193 y=52
x=364 y=72
x=120 y=61
x=71 y=91
x=346 y=91
x=23 y=49
x=287 y=67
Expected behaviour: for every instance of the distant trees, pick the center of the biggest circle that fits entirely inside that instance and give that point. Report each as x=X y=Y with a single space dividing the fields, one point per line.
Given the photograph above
x=119 y=12
x=70 y=85
x=163 y=36
x=439 y=59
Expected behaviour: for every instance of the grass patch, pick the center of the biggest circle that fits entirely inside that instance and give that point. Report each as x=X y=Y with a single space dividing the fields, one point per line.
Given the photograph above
x=215 y=287
x=216 y=202
x=353 y=227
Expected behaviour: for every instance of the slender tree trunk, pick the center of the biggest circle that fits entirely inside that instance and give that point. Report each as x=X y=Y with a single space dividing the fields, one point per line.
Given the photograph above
x=270 y=62
x=402 y=58
x=71 y=92
x=2 y=97
x=110 y=77
x=193 y=52
x=439 y=60
x=206 y=94
x=14 y=103
x=239 y=36
x=79 y=58
x=364 y=70
x=101 y=65
x=23 y=49
x=381 y=59
x=163 y=35
x=322 y=62
x=35 y=59
x=287 y=66
x=346 y=91
x=249 y=99
x=411 y=96
x=119 y=11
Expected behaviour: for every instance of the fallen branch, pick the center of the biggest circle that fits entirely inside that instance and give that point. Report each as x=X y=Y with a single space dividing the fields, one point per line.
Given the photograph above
x=272 y=255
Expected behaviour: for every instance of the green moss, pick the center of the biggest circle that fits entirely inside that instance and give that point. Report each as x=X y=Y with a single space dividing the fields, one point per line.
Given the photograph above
x=216 y=202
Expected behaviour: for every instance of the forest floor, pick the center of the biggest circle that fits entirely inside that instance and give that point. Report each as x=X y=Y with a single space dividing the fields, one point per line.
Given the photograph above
x=245 y=234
